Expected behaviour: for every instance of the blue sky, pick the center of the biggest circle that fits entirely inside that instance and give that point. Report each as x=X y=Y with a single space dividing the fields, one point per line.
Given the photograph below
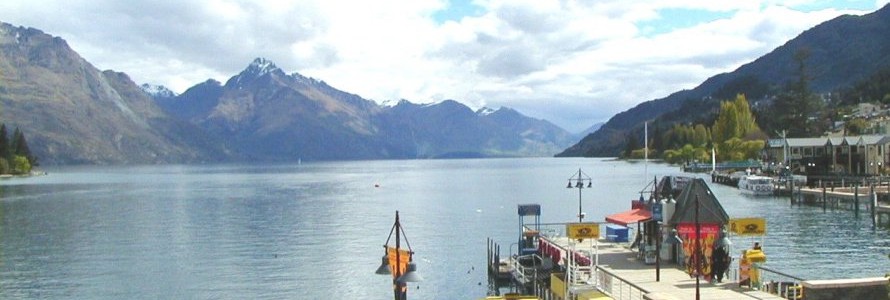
x=572 y=62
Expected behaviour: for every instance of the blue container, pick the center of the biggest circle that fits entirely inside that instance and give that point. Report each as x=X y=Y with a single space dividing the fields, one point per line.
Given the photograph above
x=616 y=233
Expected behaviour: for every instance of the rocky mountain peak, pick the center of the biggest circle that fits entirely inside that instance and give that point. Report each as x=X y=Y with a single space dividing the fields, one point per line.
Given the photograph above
x=157 y=91
x=257 y=69
x=484 y=111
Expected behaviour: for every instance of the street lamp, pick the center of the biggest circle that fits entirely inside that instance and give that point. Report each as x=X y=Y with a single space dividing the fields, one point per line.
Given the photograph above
x=402 y=272
x=577 y=181
x=724 y=240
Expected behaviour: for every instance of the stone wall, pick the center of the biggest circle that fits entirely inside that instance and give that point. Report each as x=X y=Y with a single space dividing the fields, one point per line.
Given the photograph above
x=861 y=288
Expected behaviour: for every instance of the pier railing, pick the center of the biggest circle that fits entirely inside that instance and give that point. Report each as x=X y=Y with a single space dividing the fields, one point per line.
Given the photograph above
x=773 y=281
x=618 y=288
x=782 y=284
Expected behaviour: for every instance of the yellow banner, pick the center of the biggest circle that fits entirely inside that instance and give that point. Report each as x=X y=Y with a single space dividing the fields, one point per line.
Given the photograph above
x=404 y=256
x=583 y=230
x=748 y=226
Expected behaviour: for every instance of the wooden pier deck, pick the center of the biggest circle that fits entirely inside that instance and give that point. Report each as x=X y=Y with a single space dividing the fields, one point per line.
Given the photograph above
x=855 y=199
x=620 y=261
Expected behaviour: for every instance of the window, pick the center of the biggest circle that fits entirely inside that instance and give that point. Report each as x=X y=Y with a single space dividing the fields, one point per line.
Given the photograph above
x=808 y=152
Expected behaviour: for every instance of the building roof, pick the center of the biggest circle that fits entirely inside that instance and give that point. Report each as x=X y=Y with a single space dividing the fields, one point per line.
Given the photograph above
x=831 y=141
x=710 y=210
x=807 y=142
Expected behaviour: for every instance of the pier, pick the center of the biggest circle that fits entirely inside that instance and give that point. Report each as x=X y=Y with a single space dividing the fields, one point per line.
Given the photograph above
x=621 y=273
x=579 y=261
x=604 y=269
x=855 y=198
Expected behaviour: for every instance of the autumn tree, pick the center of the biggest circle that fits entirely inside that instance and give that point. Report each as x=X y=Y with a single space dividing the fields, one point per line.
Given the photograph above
x=735 y=131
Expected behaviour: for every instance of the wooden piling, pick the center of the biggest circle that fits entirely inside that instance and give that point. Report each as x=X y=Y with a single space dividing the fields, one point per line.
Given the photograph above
x=874 y=206
x=791 y=190
x=856 y=199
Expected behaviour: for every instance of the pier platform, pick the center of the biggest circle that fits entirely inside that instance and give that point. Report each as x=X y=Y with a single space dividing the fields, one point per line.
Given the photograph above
x=625 y=276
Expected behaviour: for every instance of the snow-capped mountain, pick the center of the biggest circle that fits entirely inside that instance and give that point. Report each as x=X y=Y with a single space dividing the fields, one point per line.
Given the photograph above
x=157 y=91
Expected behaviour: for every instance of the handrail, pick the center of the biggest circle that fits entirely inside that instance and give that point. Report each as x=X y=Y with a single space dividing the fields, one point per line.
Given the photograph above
x=622 y=279
x=780 y=273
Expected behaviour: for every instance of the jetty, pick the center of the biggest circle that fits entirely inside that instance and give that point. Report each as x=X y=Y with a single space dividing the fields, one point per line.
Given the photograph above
x=581 y=261
x=854 y=198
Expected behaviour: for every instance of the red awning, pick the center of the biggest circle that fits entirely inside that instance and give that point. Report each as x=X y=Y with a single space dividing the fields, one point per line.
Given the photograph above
x=630 y=216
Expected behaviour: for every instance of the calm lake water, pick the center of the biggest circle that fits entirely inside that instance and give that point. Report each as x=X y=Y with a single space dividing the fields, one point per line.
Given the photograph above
x=316 y=230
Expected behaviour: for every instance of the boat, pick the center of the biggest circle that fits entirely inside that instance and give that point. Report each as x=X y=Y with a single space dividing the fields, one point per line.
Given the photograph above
x=756 y=185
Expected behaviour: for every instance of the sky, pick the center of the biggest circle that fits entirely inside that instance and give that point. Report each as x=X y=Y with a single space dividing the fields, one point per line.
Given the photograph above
x=574 y=63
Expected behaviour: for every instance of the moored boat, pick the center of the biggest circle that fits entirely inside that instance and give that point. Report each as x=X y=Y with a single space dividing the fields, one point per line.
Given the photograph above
x=756 y=185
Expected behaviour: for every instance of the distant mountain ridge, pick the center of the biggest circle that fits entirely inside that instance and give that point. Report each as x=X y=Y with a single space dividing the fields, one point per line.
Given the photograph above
x=842 y=51
x=74 y=114
x=269 y=115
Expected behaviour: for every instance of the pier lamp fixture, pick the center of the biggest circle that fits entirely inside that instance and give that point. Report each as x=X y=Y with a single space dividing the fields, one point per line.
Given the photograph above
x=724 y=240
x=399 y=262
x=578 y=181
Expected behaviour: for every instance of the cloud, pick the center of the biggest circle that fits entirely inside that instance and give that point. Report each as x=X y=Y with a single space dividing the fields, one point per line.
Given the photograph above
x=572 y=62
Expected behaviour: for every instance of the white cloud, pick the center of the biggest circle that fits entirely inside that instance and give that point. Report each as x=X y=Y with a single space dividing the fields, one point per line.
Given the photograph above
x=574 y=62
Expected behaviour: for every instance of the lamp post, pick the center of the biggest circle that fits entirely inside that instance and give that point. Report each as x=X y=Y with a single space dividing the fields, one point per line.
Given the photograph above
x=400 y=277
x=577 y=181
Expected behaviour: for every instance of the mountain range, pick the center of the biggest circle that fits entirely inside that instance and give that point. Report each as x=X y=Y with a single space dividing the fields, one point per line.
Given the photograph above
x=72 y=113
x=842 y=51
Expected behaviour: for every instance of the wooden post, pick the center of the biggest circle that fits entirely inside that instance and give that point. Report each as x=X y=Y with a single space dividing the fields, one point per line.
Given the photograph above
x=856 y=199
x=791 y=191
x=823 y=198
x=874 y=207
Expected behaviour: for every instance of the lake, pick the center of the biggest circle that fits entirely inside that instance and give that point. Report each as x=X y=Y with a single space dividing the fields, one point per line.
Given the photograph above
x=316 y=230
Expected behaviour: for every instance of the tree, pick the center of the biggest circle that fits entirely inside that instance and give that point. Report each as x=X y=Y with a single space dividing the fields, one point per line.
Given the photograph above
x=856 y=126
x=21 y=165
x=735 y=132
x=735 y=120
x=5 y=149
x=4 y=166
x=701 y=136
x=797 y=108
x=632 y=144
x=20 y=146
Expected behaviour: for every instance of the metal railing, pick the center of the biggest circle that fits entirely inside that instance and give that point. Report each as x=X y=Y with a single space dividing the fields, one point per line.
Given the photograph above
x=772 y=281
x=616 y=287
x=782 y=284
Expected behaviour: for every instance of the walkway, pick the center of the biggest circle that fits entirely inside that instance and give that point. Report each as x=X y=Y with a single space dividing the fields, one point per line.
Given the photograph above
x=674 y=284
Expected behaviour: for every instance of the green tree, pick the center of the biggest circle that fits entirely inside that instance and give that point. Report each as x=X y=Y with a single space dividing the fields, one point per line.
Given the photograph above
x=20 y=146
x=734 y=127
x=5 y=149
x=856 y=126
x=4 y=166
x=797 y=108
x=631 y=145
x=701 y=137
x=735 y=120
x=21 y=165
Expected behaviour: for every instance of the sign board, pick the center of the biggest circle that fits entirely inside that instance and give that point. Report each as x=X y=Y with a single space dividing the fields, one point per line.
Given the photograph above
x=583 y=230
x=657 y=212
x=748 y=226
x=529 y=210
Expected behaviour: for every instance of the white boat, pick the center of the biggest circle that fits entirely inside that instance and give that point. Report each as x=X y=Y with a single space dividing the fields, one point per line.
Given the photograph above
x=756 y=185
